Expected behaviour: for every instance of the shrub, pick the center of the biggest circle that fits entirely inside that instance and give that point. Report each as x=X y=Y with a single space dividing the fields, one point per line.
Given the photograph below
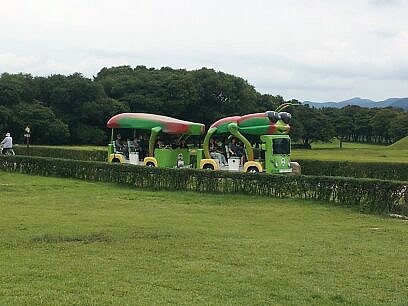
x=387 y=171
x=65 y=153
x=306 y=146
x=368 y=195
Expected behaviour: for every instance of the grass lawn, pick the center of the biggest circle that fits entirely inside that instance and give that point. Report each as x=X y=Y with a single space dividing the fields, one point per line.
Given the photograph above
x=401 y=144
x=352 y=152
x=72 y=242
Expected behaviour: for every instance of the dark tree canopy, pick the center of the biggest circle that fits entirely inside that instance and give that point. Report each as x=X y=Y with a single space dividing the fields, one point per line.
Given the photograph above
x=74 y=109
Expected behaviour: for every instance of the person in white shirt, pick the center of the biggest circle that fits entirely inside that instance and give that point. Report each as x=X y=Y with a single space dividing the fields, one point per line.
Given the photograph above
x=7 y=144
x=216 y=154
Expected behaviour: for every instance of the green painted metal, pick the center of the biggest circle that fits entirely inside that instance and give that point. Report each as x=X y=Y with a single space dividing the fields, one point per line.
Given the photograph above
x=255 y=126
x=110 y=149
x=274 y=162
x=206 y=143
x=153 y=137
x=167 y=158
x=199 y=157
x=283 y=106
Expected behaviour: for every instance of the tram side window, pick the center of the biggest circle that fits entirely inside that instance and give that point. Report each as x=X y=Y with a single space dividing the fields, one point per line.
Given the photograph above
x=281 y=146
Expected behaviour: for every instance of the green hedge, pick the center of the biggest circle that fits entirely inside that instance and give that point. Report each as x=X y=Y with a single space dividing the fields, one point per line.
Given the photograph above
x=304 y=146
x=385 y=171
x=368 y=195
x=66 y=153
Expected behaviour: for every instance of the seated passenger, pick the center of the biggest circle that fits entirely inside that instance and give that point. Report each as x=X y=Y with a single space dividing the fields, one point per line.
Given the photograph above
x=159 y=144
x=134 y=144
x=121 y=146
x=182 y=144
x=119 y=143
x=236 y=150
x=143 y=147
x=216 y=154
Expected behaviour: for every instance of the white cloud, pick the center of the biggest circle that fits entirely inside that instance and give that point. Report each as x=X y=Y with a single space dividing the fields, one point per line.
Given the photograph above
x=309 y=50
x=11 y=62
x=385 y=2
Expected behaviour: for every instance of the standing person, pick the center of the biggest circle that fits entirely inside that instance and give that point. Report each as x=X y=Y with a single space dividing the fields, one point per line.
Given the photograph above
x=7 y=145
x=27 y=136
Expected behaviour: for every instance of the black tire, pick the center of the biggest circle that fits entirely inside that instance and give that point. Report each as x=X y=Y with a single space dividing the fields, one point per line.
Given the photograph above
x=208 y=167
x=252 y=169
x=150 y=164
x=115 y=160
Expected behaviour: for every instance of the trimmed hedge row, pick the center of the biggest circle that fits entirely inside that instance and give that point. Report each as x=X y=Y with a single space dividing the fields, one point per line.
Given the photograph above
x=368 y=195
x=304 y=146
x=88 y=155
x=385 y=171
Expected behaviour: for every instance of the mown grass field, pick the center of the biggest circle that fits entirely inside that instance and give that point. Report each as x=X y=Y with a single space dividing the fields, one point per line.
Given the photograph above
x=353 y=152
x=78 y=243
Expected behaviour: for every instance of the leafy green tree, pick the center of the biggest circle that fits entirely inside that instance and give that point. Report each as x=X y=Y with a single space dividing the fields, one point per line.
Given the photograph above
x=45 y=127
x=381 y=123
x=341 y=123
x=311 y=125
x=66 y=96
x=77 y=107
x=399 y=126
x=268 y=102
x=16 y=88
x=93 y=118
x=202 y=95
x=5 y=118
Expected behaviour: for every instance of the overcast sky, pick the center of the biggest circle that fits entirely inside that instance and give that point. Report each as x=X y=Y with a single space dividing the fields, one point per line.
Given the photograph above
x=318 y=50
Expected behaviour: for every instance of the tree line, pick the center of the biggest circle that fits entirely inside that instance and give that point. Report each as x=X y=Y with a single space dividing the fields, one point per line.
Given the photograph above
x=74 y=109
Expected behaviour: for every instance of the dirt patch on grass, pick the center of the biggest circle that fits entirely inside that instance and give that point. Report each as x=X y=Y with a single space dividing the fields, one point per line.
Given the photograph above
x=89 y=238
x=152 y=235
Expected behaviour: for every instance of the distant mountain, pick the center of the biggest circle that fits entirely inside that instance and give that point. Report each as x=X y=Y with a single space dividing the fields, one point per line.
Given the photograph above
x=393 y=102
